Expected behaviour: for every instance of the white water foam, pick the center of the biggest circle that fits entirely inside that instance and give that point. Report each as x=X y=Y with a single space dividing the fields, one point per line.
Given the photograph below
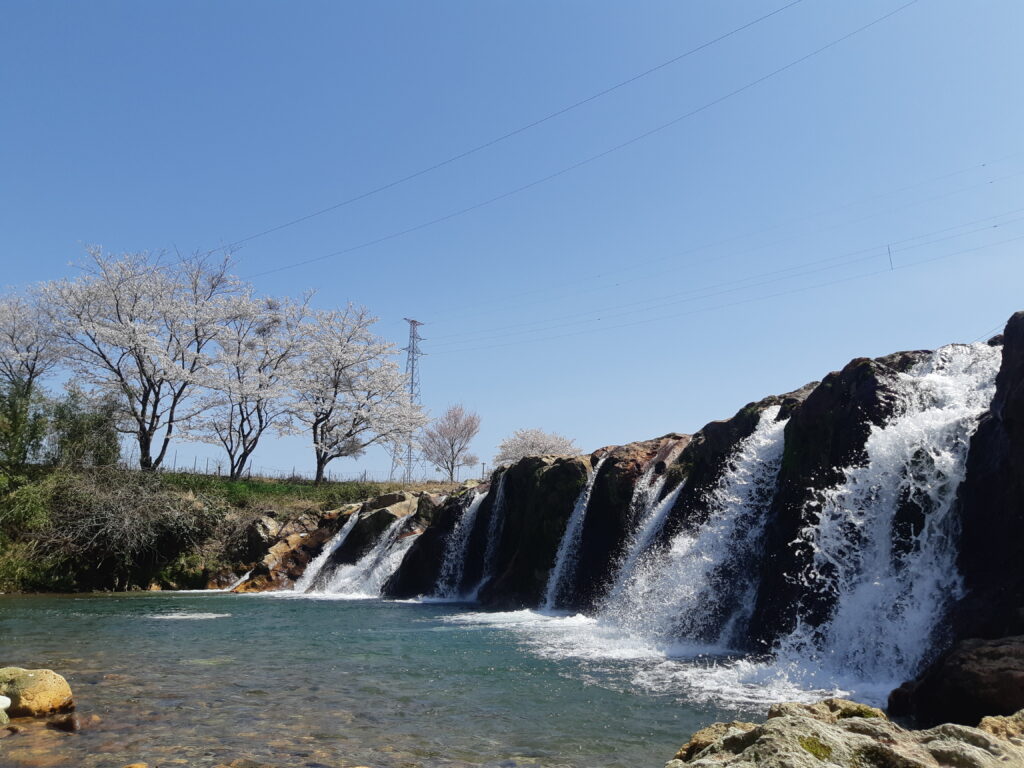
x=312 y=572
x=364 y=579
x=685 y=591
x=456 y=551
x=568 y=547
x=641 y=540
x=885 y=543
x=187 y=616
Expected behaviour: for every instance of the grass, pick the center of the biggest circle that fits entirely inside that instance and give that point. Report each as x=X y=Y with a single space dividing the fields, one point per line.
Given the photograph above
x=256 y=491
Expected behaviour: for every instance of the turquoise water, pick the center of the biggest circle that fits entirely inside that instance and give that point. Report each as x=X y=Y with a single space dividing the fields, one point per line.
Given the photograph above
x=199 y=679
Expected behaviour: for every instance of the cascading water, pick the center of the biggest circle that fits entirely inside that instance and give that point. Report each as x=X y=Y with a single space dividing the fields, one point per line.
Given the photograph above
x=688 y=591
x=568 y=547
x=884 y=541
x=310 y=577
x=366 y=577
x=642 y=538
x=494 y=528
x=456 y=550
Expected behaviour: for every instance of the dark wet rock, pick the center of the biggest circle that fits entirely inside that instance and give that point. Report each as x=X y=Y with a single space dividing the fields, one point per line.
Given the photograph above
x=990 y=506
x=69 y=723
x=420 y=568
x=975 y=679
x=825 y=433
x=539 y=494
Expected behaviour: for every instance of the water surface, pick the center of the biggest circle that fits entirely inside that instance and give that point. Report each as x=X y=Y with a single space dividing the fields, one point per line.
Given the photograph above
x=199 y=679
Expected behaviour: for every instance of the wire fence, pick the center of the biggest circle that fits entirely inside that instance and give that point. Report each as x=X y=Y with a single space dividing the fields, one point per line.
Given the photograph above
x=213 y=467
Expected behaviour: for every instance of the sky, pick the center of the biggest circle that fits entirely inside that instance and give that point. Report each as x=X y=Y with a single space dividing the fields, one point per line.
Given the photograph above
x=833 y=181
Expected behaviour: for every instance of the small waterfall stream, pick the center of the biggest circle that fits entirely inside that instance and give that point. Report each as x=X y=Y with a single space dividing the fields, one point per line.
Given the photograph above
x=650 y=524
x=684 y=593
x=568 y=547
x=456 y=551
x=494 y=528
x=365 y=577
x=310 y=576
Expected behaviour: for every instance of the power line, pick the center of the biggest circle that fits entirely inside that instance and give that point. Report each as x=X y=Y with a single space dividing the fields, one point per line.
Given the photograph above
x=489 y=305
x=800 y=270
x=594 y=157
x=516 y=131
x=741 y=302
x=575 y=288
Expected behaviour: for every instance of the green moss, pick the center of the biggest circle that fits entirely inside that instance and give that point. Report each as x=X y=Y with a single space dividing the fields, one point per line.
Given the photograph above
x=859 y=710
x=816 y=747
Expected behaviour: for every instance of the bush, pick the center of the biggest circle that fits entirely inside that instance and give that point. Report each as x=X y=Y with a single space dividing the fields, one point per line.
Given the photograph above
x=110 y=528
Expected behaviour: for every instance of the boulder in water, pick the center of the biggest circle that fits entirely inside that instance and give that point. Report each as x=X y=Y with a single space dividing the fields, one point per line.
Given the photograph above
x=976 y=678
x=991 y=506
x=35 y=692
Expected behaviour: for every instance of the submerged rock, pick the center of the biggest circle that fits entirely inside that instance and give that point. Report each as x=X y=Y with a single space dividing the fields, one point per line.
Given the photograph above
x=845 y=734
x=35 y=692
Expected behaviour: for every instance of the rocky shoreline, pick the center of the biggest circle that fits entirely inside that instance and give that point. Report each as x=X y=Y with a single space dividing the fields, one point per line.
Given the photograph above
x=845 y=734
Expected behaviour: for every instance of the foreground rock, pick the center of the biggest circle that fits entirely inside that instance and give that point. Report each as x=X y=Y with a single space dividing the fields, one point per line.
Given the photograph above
x=845 y=734
x=35 y=692
x=976 y=678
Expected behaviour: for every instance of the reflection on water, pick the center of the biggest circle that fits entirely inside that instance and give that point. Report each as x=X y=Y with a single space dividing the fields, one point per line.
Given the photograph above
x=197 y=680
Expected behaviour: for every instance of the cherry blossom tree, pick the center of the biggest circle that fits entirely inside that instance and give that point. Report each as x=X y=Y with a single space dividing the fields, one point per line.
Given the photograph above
x=249 y=377
x=28 y=349
x=142 y=326
x=533 y=442
x=445 y=443
x=349 y=393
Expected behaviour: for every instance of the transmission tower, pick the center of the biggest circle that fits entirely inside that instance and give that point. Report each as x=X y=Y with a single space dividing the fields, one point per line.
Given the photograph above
x=412 y=372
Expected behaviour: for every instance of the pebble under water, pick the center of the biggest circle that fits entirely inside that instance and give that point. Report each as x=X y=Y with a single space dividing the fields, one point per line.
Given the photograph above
x=202 y=679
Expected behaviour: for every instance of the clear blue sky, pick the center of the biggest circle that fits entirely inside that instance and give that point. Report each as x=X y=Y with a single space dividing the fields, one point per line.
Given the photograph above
x=194 y=124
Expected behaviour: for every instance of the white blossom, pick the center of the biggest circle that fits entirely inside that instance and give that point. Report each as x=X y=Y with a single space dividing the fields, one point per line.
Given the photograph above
x=348 y=392
x=533 y=442
x=142 y=327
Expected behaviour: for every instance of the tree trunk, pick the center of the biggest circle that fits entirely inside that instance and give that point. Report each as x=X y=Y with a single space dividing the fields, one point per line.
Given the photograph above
x=321 y=464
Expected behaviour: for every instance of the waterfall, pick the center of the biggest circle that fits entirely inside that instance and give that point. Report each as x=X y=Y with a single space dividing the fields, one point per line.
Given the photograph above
x=366 y=577
x=568 y=547
x=688 y=590
x=494 y=528
x=238 y=582
x=310 y=576
x=884 y=541
x=456 y=550
x=638 y=544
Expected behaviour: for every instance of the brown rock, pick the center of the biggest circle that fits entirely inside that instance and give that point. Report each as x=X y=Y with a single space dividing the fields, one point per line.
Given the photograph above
x=705 y=737
x=827 y=711
x=1010 y=728
x=35 y=692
